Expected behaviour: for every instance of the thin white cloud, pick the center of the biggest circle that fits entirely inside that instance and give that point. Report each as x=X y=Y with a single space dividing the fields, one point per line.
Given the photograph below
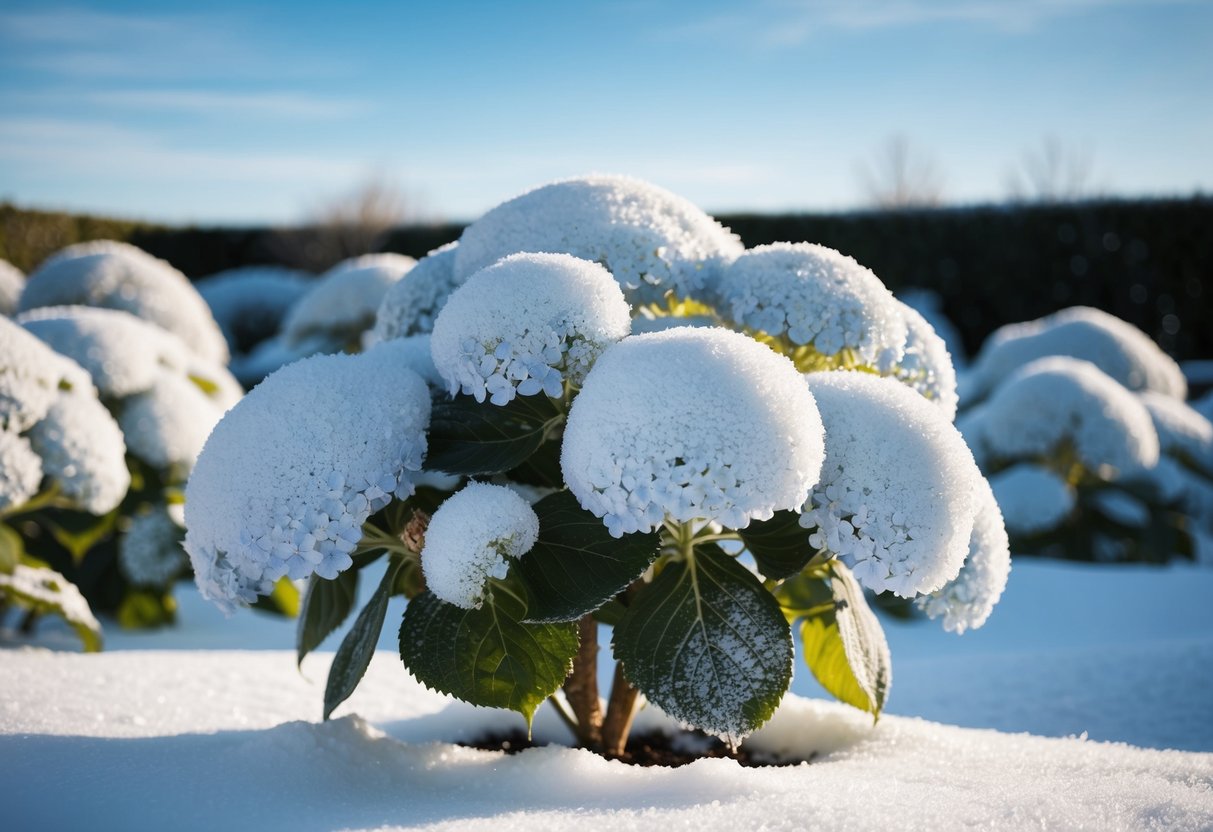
x=268 y=104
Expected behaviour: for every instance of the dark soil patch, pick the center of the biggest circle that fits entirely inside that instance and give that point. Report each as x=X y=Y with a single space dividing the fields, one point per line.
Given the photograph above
x=650 y=749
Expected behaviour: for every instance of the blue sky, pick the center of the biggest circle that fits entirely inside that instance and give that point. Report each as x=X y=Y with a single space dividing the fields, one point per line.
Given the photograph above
x=254 y=112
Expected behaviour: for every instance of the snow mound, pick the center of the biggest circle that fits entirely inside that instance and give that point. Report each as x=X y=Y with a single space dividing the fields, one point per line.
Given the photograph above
x=290 y=474
x=83 y=451
x=472 y=537
x=31 y=376
x=651 y=240
x=411 y=305
x=926 y=365
x=898 y=492
x=250 y=303
x=1033 y=499
x=22 y=470
x=119 y=276
x=1118 y=348
x=344 y=300
x=12 y=284
x=167 y=424
x=527 y=324
x=150 y=553
x=692 y=423
x=814 y=296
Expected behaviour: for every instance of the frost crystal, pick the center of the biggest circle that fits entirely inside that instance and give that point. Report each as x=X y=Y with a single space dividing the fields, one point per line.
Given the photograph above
x=119 y=276
x=412 y=304
x=1033 y=499
x=290 y=474
x=167 y=425
x=898 y=490
x=966 y=602
x=1116 y=347
x=695 y=424
x=927 y=364
x=150 y=553
x=1054 y=406
x=82 y=451
x=650 y=240
x=12 y=283
x=527 y=324
x=343 y=302
x=249 y=303
x=472 y=537
x=812 y=295
x=20 y=471
x=31 y=376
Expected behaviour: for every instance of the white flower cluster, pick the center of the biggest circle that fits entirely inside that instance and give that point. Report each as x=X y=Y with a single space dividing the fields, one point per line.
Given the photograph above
x=693 y=423
x=250 y=303
x=1059 y=402
x=411 y=305
x=12 y=283
x=927 y=364
x=1116 y=347
x=344 y=300
x=651 y=240
x=813 y=295
x=273 y=496
x=472 y=537
x=119 y=276
x=967 y=601
x=896 y=501
x=1033 y=498
x=20 y=470
x=167 y=424
x=525 y=325
x=150 y=553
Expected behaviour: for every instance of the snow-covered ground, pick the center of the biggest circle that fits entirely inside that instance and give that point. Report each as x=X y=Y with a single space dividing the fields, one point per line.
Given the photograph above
x=211 y=726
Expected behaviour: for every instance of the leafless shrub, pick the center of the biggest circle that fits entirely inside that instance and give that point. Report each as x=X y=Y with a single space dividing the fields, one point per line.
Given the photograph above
x=1053 y=172
x=900 y=175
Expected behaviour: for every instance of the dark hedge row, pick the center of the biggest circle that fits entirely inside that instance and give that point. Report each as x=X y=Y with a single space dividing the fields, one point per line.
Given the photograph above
x=1145 y=261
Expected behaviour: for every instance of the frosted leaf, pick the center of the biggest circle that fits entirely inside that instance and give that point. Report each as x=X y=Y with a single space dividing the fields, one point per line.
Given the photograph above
x=472 y=537
x=927 y=364
x=966 y=601
x=897 y=495
x=1182 y=430
x=343 y=301
x=411 y=304
x=82 y=451
x=31 y=376
x=527 y=324
x=691 y=423
x=149 y=551
x=20 y=471
x=812 y=295
x=250 y=303
x=1033 y=499
x=290 y=474
x=12 y=283
x=1055 y=404
x=46 y=587
x=650 y=240
x=167 y=425
x=1116 y=347
x=115 y=275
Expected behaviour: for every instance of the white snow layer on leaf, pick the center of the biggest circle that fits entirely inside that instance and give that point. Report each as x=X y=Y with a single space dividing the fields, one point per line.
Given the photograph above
x=472 y=537
x=1056 y=403
x=1116 y=347
x=31 y=376
x=926 y=365
x=525 y=325
x=813 y=295
x=898 y=491
x=167 y=425
x=149 y=550
x=252 y=301
x=412 y=303
x=12 y=283
x=20 y=470
x=343 y=301
x=119 y=276
x=651 y=240
x=692 y=423
x=1182 y=430
x=290 y=474
x=1033 y=499
x=82 y=451
x=966 y=601
x=45 y=585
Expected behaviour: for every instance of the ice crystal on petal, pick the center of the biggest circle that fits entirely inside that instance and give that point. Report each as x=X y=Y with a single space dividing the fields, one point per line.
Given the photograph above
x=896 y=500
x=12 y=283
x=691 y=423
x=1033 y=499
x=149 y=552
x=20 y=470
x=343 y=301
x=472 y=537
x=82 y=451
x=411 y=305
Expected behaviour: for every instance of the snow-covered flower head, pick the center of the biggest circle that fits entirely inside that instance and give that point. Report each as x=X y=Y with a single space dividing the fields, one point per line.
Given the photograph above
x=927 y=364
x=966 y=601
x=1116 y=347
x=813 y=296
x=31 y=377
x=1033 y=499
x=651 y=240
x=411 y=305
x=290 y=474
x=1058 y=405
x=12 y=283
x=1183 y=432
x=83 y=451
x=527 y=324
x=691 y=423
x=343 y=301
x=150 y=553
x=167 y=424
x=22 y=470
x=250 y=303
x=119 y=276
x=472 y=537
x=896 y=500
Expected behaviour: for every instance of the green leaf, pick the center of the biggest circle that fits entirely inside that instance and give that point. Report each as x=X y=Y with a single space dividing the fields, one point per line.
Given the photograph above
x=11 y=549
x=354 y=655
x=326 y=604
x=78 y=532
x=708 y=644
x=576 y=566
x=471 y=438
x=844 y=644
x=780 y=546
x=487 y=656
x=145 y=609
x=44 y=591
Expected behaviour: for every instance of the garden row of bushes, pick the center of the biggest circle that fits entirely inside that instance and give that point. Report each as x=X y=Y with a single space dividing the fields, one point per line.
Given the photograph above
x=1145 y=261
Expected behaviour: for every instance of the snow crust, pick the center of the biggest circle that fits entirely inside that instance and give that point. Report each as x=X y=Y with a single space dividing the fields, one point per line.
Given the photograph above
x=1033 y=499
x=692 y=423
x=651 y=240
x=472 y=537
x=411 y=305
x=527 y=324
x=12 y=283
x=343 y=301
x=897 y=496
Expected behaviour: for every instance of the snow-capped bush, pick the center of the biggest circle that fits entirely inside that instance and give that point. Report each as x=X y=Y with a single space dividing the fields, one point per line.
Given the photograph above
x=12 y=283
x=343 y=302
x=250 y=303
x=411 y=305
